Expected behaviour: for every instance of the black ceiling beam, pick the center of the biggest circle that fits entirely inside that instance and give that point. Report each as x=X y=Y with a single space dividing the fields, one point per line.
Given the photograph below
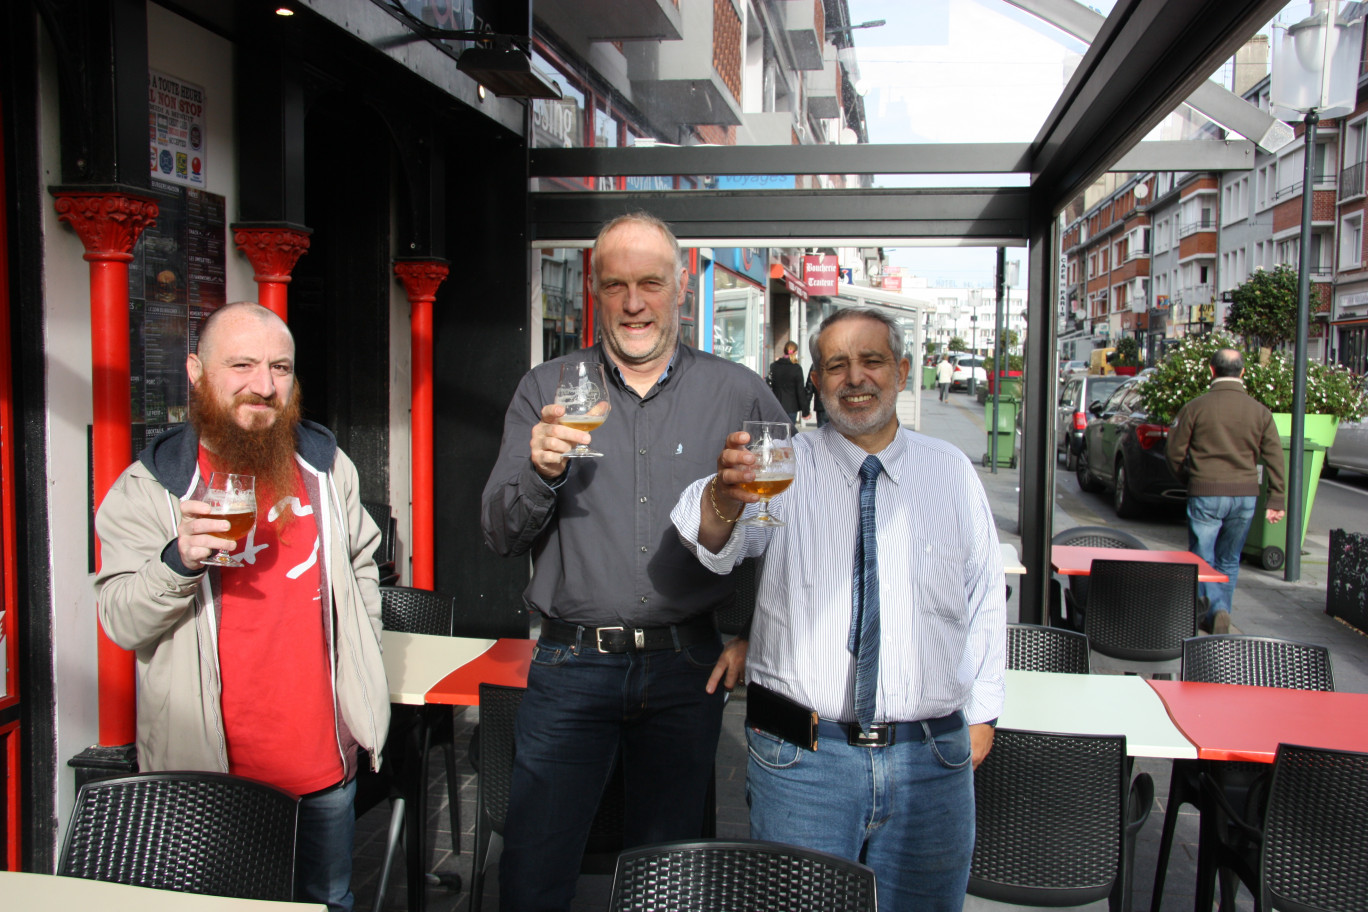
x=1149 y=56
x=971 y=216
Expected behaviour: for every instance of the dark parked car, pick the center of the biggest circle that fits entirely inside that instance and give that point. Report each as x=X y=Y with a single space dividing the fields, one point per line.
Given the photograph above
x=1079 y=391
x=1124 y=451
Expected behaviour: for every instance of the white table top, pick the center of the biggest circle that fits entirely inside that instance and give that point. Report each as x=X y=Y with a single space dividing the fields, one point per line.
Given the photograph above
x=415 y=662
x=1011 y=564
x=76 y=894
x=1094 y=704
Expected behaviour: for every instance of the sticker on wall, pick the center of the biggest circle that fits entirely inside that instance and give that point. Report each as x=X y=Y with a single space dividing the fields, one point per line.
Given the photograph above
x=176 y=127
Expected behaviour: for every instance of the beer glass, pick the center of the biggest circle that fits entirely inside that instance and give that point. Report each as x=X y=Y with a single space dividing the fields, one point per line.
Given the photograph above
x=583 y=393
x=232 y=497
x=774 y=466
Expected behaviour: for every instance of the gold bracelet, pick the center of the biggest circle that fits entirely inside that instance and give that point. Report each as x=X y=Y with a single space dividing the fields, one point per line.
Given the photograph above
x=712 y=496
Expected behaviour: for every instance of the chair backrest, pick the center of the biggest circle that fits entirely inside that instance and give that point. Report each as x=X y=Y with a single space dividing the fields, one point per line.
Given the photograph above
x=492 y=619
x=409 y=610
x=695 y=876
x=1313 y=831
x=1098 y=537
x=193 y=832
x=734 y=616
x=380 y=512
x=1031 y=647
x=1141 y=610
x=1258 y=662
x=1067 y=792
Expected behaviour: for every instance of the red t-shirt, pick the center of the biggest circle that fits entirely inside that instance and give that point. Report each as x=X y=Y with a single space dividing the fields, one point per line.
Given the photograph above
x=278 y=708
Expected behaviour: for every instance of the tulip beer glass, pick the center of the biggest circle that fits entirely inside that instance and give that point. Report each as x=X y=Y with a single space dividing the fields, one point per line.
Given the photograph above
x=583 y=393
x=232 y=497
x=774 y=465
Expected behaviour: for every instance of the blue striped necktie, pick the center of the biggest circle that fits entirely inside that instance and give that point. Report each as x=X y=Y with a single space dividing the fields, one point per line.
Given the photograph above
x=864 y=617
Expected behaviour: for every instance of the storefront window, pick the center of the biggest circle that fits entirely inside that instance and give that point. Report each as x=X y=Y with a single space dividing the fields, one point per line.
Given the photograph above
x=558 y=124
x=562 y=275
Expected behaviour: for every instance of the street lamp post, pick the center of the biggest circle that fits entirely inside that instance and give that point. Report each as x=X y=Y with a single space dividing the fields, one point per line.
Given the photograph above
x=1315 y=75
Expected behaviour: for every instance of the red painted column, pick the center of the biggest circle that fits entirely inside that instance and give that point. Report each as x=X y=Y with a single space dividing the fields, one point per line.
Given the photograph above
x=272 y=248
x=108 y=221
x=422 y=276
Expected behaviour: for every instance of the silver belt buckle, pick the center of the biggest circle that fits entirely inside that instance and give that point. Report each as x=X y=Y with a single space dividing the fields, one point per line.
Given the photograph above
x=598 y=635
x=639 y=638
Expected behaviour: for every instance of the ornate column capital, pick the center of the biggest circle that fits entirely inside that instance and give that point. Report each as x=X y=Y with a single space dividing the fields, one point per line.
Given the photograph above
x=272 y=248
x=421 y=276
x=108 y=219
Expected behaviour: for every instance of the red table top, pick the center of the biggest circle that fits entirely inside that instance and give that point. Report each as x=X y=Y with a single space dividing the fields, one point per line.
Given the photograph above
x=1238 y=722
x=1076 y=560
x=506 y=663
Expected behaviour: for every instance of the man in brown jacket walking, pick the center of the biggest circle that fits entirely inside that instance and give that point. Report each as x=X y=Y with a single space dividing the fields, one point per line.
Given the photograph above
x=1216 y=444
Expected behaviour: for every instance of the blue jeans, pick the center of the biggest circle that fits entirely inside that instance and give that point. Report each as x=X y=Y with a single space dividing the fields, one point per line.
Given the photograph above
x=1217 y=528
x=577 y=711
x=906 y=810
x=323 y=848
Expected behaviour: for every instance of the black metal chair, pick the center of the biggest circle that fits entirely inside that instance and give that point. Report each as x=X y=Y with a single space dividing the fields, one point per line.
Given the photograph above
x=195 y=832
x=1312 y=858
x=384 y=553
x=695 y=876
x=1075 y=596
x=1252 y=661
x=1056 y=820
x=734 y=616
x=1140 y=612
x=414 y=731
x=1031 y=647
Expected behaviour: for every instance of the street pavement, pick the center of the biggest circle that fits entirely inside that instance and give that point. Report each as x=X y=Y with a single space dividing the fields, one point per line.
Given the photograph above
x=1265 y=605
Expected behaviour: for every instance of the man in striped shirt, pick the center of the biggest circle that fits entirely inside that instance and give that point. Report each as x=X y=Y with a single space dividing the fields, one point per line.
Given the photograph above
x=898 y=785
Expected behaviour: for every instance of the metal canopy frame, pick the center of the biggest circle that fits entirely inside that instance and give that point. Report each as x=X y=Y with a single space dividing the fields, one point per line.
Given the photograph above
x=1145 y=58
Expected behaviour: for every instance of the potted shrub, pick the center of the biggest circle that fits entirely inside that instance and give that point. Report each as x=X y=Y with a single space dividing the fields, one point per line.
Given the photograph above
x=1332 y=395
x=1127 y=358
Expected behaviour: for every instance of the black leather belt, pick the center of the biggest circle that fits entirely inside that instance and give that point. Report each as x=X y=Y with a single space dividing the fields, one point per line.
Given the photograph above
x=883 y=734
x=629 y=639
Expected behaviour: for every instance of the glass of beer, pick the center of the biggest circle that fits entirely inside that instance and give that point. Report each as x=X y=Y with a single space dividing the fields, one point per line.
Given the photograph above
x=774 y=465
x=232 y=497
x=583 y=392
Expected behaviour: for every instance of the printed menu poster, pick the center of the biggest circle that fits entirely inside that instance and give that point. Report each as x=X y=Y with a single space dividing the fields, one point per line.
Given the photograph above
x=175 y=124
x=176 y=279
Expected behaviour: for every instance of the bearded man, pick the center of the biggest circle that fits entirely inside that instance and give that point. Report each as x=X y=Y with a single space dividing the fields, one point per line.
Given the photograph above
x=270 y=670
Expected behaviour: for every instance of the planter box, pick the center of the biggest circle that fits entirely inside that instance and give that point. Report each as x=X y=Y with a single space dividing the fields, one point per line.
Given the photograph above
x=1125 y=370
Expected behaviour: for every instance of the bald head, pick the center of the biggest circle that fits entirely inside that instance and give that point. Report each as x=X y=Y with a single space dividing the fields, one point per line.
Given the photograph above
x=1227 y=362
x=240 y=314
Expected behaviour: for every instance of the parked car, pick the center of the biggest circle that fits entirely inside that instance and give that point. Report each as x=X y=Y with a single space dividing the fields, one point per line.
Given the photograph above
x=1080 y=390
x=1122 y=450
x=1350 y=450
x=967 y=367
x=1351 y=446
x=1068 y=368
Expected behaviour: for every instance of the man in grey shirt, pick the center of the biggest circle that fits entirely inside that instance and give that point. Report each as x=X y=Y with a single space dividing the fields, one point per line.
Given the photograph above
x=628 y=656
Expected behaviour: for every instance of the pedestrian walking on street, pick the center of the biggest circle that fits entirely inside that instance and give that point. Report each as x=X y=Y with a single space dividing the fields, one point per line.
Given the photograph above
x=945 y=375
x=786 y=379
x=1216 y=444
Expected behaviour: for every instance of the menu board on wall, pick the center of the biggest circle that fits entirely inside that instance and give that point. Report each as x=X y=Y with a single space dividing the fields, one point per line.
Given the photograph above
x=176 y=279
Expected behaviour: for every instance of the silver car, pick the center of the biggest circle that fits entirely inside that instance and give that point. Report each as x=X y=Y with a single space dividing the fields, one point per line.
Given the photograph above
x=1079 y=391
x=1350 y=450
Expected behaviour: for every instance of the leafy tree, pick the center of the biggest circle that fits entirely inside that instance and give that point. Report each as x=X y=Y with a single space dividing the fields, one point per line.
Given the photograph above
x=1010 y=339
x=956 y=344
x=1264 y=309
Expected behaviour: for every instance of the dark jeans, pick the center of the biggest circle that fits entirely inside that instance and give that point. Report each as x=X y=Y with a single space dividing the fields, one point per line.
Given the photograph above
x=577 y=710
x=323 y=848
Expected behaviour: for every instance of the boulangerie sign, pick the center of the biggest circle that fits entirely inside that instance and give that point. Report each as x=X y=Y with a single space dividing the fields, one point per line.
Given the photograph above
x=821 y=274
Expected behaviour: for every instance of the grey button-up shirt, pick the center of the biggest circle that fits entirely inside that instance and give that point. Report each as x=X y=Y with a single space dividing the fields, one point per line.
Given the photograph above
x=604 y=551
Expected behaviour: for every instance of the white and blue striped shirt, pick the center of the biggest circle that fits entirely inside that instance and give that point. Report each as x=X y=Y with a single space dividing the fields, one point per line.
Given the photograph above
x=941 y=589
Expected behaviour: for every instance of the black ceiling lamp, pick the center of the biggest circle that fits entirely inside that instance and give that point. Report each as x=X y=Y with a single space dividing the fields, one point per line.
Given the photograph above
x=500 y=63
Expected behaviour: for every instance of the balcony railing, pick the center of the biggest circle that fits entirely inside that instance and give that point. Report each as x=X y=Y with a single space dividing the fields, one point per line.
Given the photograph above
x=1201 y=224
x=1319 y=178
x=1351 y=180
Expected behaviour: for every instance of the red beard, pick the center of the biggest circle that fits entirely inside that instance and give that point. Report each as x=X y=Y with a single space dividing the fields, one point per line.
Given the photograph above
x=266 y=452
